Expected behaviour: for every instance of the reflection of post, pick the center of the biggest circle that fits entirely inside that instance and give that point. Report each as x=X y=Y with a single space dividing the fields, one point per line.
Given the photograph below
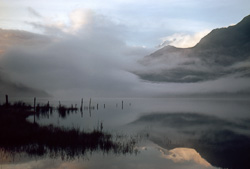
x=89 y=112
x=122 y=104
x=34 y=109
x=101 y=126
x=13 y=158
x=50 y=110
x=89 y=103
x=97 y=106
x=48 y=104
x=104 y=106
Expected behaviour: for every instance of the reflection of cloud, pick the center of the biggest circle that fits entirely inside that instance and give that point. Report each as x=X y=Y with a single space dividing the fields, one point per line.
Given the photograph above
x=179 y=155
x=216 y=139
x=36 y=164
x=147 y=159
x=5 y=157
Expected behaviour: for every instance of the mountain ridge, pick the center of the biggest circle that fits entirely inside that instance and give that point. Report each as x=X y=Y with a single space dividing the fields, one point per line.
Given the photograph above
x=221 y=53
x=218 y=36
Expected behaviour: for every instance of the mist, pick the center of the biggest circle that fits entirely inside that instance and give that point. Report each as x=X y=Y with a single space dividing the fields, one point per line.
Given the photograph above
x=92 y=61
x=91 y=57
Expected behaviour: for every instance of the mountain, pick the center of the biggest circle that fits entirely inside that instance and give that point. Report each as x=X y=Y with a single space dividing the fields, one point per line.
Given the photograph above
x=223 y=52
x=19 y=90
x=10 y=39
x=227 y=37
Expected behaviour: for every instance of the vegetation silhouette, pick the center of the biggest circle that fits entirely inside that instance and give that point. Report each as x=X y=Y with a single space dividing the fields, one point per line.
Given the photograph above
x=64 y=111
x=21 y=136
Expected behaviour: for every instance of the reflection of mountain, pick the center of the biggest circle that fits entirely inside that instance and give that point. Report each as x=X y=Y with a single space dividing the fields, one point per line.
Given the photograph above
x=221 y=142
x=224 y=51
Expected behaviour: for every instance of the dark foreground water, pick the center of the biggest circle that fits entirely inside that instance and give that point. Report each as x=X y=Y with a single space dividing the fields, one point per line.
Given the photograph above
x=144 y=133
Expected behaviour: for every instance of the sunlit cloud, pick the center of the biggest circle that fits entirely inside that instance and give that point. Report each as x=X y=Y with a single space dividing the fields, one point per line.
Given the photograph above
x=183 y=40
x=74 y=22
x=79 y=18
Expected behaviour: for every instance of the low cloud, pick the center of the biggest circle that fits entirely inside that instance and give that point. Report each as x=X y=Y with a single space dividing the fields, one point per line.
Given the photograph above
x=189 y=66
x=11 y=38
x=89 y=57
x=93 y=61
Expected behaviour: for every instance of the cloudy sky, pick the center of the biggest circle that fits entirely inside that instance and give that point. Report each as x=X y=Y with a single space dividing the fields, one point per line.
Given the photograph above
x=88 y=47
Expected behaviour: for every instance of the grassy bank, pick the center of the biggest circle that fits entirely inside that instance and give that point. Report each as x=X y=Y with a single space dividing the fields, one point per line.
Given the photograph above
x=19 y=135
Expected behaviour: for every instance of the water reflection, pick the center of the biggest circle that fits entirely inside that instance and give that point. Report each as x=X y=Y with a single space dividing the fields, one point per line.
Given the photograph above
x=173 y=138
x=180 y=155
x=221 y=142
x=147 y=159
x=20 y=136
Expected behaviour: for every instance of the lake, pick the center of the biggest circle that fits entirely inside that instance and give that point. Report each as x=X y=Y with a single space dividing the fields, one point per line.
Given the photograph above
x=172 y=133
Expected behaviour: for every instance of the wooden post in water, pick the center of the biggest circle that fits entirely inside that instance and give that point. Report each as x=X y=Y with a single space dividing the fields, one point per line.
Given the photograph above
x=34 y=104
x=104 y=106
x=122 y=104
x=81 y=104
x=7 y=100
x=90 y=107
x=34 y=109
x=97 y=106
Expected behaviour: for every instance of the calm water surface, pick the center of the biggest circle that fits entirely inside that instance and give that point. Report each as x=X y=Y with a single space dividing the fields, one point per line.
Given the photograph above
x=169 y=133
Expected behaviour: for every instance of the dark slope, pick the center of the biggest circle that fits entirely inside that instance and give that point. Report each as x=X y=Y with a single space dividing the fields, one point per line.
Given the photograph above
x=221 y=53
